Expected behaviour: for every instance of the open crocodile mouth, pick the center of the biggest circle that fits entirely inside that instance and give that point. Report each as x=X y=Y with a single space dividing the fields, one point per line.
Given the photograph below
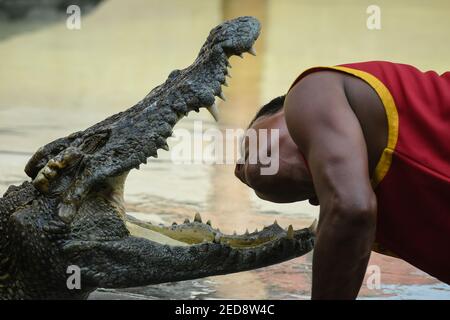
x=101 y=230
x=196 y=231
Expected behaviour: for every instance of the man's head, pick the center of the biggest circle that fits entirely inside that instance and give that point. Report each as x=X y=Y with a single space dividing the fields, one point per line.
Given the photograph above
x=292 y=181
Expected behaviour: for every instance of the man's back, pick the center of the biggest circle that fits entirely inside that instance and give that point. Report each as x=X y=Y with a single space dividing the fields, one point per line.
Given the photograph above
x=409 y=156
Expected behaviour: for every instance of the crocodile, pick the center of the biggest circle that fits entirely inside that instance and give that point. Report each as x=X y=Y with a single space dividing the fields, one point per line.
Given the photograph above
x=71 y=212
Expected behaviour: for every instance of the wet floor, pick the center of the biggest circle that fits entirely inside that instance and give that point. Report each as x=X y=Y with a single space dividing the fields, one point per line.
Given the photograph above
x=54 y=81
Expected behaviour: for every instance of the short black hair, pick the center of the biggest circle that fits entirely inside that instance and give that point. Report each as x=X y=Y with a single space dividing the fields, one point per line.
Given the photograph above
x=270 y=108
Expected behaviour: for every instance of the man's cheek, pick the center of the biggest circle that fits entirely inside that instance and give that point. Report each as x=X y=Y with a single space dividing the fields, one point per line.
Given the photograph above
x=252 y=175
x=270 y=159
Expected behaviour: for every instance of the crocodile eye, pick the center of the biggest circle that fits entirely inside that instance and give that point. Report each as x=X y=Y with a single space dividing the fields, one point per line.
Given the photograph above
x=94 y=142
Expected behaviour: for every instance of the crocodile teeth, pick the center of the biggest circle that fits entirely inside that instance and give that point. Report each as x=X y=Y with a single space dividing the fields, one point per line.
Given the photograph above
x=186 y=220
x=290 y=232
x=246 y=232
x=225 y=83
x=252 y=51
x=208 y=223
x=197 y=217
x=222 y=96
x=165 y=146
x=313 y=227
x=48 y=172
x=214 y=111
x=256 y=230
x=217 y=238
x=41 y=182
x=154 y=153
x=241 y=55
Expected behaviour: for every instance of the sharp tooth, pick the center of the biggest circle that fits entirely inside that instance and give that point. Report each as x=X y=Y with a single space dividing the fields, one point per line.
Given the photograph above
x=228 y=64
x=221 y=96
x=225 y=83
x=252 y=51
x=229 y=75
x=234 y=233
x=186 y=220
x=275 y=222
x=246 y=232
x=241 y=55
x=41 y=182
x=49 y=172
x=197 y=217
x=154 y=153
x=208 y=223
x=165 y=146
x=290 y=232
x=214 y=111
x=256 y=230
x=313 y=227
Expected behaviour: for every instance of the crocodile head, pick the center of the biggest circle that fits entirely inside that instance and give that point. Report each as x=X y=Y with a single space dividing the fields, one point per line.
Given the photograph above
x=84 y=174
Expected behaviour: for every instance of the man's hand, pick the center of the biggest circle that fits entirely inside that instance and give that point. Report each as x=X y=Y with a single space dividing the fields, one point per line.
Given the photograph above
x=328 y=133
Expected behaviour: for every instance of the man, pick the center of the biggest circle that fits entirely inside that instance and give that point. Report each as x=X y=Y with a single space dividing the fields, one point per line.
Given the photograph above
x=370 y=143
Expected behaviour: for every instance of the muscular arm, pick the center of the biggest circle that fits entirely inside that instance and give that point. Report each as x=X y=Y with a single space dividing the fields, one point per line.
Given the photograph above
x=323 y=125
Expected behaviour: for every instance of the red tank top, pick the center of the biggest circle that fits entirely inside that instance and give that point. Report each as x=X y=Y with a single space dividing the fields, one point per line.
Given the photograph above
x=412 y=178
